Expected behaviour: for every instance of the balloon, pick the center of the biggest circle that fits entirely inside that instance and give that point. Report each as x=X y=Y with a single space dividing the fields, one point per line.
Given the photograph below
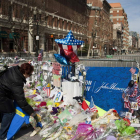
x=69 y=40
x=71 y=56
x=60 y=59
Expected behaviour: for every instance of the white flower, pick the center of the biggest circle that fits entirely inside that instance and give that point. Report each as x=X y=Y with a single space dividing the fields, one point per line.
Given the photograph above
x=84 y=73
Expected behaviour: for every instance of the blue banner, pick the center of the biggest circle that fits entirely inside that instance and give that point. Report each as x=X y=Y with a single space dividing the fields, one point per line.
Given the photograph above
x=106 y=85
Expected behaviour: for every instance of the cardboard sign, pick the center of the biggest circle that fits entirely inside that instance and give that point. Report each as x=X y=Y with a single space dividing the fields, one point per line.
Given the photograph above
x=58 y=97
x=56 y=68
x=57 y=80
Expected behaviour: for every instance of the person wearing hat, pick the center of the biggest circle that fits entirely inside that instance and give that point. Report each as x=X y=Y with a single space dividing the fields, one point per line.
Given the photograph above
x=11 y=89
x=132 y=86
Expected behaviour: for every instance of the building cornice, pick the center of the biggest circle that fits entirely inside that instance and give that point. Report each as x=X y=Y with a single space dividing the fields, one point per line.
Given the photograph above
x=112 y=17
x=116 y=8
x=63 y=32
x=95 y=8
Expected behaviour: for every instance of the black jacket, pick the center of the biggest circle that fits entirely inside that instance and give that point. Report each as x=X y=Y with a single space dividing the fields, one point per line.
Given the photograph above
x=11 y=88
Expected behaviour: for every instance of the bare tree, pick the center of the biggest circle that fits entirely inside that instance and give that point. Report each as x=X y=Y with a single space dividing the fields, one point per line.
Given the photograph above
x=22 y=12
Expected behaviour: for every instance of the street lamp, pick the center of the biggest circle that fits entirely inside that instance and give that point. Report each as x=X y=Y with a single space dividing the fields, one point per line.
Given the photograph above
x=105 y=50
x=81 y=49
x=37 y=19
x=93 y=49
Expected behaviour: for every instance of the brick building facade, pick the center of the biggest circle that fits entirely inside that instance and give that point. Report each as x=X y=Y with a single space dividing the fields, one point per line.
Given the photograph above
x=117 y=38
x=134 y=36
x=55 y=18
x=100 y=27
x=118 y=16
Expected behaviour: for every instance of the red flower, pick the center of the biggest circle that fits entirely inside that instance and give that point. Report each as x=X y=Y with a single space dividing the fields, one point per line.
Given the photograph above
x=127 y=120
x=114 y=111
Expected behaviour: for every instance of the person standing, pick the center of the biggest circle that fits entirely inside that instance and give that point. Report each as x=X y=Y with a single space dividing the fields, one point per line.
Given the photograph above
x=133 y=92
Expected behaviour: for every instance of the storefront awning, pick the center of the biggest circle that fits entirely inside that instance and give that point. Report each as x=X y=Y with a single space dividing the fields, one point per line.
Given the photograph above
x=3 y=34
x=14 y=35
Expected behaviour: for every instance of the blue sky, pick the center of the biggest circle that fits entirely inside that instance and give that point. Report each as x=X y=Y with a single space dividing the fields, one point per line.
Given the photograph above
x=132 y=9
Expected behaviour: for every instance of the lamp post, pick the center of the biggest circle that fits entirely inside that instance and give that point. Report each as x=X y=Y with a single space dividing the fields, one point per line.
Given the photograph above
x=93 y=50
x=81 y=49
x=37 y=19
x=105 y=50
x=94 y=36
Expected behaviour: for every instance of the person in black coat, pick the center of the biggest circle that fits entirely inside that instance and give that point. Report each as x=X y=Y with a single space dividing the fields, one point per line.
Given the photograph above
x=11 y=89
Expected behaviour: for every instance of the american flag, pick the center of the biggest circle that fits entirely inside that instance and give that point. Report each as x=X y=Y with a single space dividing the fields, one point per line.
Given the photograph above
x=47 y=90
x=127 y=105
x=132 y=70
x=92 y=106
x=72 y=48
x=135 y=92
x=138 y=100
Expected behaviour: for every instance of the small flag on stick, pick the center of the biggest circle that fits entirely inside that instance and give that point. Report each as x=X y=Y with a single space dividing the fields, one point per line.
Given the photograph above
x=92 y=106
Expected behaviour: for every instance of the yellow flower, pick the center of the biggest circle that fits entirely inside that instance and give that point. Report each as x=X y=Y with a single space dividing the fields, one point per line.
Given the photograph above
x=39 y=117
x=68 y=128
x=48 y=85
x=34 y=91
x=65 y=127
x=37 y=103
x=57 y=104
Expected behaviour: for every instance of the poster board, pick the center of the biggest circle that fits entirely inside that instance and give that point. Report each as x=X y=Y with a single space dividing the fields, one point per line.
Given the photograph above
x=106 y=85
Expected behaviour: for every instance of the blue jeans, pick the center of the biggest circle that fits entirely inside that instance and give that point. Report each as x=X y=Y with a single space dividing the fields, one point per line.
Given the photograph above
x=5 y=124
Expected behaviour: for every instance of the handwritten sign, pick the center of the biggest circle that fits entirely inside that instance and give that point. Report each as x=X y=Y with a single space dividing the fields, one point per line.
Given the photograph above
x=58 y=97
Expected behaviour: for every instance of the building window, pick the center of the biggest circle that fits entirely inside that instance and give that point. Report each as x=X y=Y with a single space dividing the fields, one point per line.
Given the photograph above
x=11 y=45
x=111 y=11
x=112 y=20
x=121 y=19
x=95 y=12
x=0 y=3
x=0 y=45
x=10 y=12
x=58 y=21
x=95 y=34
x=117 y=11
x=46 y=19
x=117 y=14
x=95 y=22
x=110 y=16
x=117 y=19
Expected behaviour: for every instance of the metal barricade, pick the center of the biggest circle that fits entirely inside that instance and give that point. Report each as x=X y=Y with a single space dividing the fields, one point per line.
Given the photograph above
x=127 y=57
x=109 y=63
x=102 y=63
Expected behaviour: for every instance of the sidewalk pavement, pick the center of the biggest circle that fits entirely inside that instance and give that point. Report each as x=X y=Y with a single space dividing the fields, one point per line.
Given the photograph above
x=24 y=134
